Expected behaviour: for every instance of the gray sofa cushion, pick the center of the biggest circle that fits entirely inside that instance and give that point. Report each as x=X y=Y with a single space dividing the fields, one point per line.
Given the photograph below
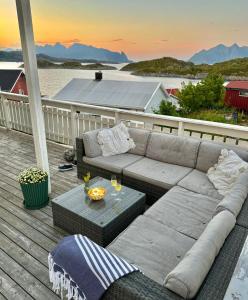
x=189 y=274
x=209 y=153
x=140 y=138
x=91 y=145
x=114 y=163
x=154 y=248
x=198 y=182
x=236 y=197
x=157 y=173
x=173 y=149
x=184 y=211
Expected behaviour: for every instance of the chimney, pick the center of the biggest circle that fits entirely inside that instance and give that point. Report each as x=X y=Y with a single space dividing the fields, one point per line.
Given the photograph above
x=98 y=76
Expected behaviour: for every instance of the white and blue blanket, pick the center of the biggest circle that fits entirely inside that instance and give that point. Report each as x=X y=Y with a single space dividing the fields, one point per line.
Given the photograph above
x=84 y=269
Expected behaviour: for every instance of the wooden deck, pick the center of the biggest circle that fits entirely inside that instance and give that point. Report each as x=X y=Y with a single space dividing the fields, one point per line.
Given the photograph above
x=27 y=236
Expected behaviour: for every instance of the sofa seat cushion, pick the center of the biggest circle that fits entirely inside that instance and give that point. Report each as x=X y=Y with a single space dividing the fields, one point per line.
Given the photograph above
x=184 y=211
x=209 y=153
x=114 y=163
x=151 y=246
x=157 y=173
x=198 y=182
x=173 y=149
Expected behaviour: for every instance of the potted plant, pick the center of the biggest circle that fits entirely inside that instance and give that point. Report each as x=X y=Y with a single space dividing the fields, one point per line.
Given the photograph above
x=34 y=185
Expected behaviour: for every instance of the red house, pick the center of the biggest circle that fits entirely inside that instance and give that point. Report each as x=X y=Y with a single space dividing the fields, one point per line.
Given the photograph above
x=237 y=94
x=13 y=81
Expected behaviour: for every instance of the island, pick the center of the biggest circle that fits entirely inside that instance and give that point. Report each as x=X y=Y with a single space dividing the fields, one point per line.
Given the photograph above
x=235 y=69
x=46 y=64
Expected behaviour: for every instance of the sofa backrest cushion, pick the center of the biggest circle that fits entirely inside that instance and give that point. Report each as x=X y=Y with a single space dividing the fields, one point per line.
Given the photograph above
x=140 y=138
x=235 y=199
x=187 y=277
x=91 y=145
x=173 y=149
x=209 y=153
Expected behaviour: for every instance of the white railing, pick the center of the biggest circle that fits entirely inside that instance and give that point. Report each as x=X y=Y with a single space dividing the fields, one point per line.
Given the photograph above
x=64 y=120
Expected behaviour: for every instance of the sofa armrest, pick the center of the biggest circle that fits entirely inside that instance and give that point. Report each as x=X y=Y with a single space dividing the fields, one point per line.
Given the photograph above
x=80 y=149
x=80 y=152
x=137 y=286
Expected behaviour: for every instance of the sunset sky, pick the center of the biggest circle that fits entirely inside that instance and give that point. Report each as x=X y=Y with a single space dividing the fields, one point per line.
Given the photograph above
x=143 y=29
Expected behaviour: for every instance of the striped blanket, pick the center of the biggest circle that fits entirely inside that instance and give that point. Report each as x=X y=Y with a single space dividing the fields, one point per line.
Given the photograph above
x=84 y=269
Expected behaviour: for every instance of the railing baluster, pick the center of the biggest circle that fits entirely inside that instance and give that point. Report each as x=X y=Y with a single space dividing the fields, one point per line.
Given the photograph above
x=6 y=112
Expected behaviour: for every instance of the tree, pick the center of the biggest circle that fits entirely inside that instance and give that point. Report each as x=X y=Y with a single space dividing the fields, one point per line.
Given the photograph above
x=207 y=94
x=166 y=108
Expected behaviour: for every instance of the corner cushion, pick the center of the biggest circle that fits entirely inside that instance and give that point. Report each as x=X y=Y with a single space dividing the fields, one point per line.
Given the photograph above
x=209 y=153
x=198 y=182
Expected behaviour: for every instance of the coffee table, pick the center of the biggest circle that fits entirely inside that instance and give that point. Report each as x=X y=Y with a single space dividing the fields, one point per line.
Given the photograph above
x=102 y=220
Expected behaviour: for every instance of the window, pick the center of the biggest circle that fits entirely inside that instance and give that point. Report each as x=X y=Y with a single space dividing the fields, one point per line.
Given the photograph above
x=243 y=93
x=21 y=92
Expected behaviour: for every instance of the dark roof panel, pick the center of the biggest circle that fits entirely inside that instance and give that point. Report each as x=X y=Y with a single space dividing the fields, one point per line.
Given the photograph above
x=8 y=78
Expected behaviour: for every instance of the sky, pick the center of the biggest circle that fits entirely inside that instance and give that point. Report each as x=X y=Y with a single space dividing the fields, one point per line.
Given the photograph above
x=143 y=29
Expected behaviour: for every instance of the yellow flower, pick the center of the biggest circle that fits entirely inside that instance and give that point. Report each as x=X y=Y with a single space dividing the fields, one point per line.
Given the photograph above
x=86 y=178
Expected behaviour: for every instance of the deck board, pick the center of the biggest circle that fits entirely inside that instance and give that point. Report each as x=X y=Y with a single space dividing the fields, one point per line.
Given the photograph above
x=26 y=236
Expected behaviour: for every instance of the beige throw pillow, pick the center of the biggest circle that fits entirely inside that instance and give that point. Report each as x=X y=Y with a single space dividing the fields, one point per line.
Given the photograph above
x=225 y=173
x=115 y=140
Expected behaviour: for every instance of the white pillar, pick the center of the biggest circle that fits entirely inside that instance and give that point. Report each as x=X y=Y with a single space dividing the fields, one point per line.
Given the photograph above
x=31 y=72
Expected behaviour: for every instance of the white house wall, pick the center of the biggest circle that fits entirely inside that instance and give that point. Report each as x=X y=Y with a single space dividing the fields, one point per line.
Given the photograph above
x=156 y=99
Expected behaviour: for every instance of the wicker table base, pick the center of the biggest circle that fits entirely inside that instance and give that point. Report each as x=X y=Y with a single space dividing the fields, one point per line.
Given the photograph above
x=103 y=220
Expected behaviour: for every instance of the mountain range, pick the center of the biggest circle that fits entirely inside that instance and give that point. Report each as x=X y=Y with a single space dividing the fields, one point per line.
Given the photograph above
x=76 y=52
x=220 y=53
x=82 y=52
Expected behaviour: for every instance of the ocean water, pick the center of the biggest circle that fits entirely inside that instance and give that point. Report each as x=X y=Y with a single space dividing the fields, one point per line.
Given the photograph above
x=52 y=80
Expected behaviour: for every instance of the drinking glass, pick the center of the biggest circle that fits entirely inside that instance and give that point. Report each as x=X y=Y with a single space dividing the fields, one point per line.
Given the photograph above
x=113 y=180
x=118 y=188
x=113 y=183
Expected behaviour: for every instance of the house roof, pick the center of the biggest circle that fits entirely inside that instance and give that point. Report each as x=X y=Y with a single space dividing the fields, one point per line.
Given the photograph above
x=8 y=78
x=242 y=85
x=110 y=93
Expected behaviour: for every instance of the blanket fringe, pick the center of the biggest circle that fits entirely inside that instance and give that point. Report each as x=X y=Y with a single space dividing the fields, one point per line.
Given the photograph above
x=63 y=282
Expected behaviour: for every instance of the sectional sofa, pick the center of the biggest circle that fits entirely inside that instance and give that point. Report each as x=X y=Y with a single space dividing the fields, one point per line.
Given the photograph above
x=188 y=221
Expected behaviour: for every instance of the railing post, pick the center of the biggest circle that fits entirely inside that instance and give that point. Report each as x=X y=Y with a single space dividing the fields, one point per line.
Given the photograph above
x=6 y=111
x=73 y=125
x=117 y=118
x=180 y=128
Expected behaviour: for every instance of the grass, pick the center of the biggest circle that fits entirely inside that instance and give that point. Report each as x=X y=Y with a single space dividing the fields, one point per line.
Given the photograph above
x=218 y=115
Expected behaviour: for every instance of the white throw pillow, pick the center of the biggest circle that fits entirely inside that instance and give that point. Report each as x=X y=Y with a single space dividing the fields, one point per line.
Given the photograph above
x=225 y=173
x=115 y=140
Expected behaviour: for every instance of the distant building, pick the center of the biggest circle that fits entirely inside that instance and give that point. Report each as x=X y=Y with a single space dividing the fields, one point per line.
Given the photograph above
x=173 y=91
x=237 y=94
x=130 y=95
x=13 y=81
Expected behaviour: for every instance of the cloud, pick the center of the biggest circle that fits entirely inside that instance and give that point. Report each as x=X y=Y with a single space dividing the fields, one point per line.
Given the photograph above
x=117 y=40
x=64 y=42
